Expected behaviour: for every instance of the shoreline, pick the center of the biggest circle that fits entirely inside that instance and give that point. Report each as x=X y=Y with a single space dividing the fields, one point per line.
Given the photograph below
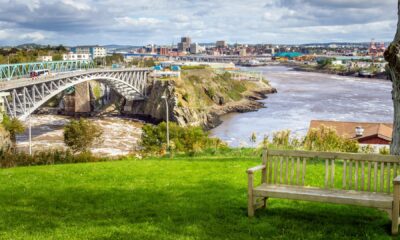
x=249 y=103
x=302 y=68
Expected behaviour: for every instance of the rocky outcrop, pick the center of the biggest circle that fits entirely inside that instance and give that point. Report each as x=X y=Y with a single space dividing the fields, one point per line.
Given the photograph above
x=154 y=107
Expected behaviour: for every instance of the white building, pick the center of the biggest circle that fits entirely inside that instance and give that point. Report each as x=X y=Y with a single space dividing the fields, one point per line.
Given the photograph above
x=93 y=51
x=194 y=48
x=99 y=52
x=45 y=58
x=76 y=56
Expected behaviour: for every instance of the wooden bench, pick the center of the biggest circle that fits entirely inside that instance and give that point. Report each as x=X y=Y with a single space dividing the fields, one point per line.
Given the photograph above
x=368 y=180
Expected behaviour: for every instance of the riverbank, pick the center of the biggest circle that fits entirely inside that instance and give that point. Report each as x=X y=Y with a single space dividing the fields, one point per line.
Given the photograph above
x=305 y=96
x=333 y=71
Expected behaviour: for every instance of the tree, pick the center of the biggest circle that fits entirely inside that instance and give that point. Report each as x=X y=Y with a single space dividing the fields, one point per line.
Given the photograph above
x=14 y=127
x=392 y=55
x=80 y=135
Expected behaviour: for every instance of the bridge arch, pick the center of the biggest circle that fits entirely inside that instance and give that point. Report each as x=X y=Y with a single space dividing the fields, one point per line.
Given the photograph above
x=24 y=100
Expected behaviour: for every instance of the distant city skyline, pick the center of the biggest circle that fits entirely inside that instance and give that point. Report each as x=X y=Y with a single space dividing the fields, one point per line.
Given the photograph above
x=140 y=22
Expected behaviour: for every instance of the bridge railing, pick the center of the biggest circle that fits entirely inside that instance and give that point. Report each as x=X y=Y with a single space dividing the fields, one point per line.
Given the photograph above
x=19 y=70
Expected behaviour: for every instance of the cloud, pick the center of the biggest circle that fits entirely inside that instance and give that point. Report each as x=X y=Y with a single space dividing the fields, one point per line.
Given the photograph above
x=32 y=36
x=141 y=22
x=78 y=5
x=137 y=22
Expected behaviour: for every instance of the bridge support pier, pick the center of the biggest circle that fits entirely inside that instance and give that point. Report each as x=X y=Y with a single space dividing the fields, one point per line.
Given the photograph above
x=82 y=98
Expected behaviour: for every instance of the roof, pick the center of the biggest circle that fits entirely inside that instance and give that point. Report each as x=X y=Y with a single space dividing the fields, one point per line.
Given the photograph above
x=347 y=129
x=288 y=54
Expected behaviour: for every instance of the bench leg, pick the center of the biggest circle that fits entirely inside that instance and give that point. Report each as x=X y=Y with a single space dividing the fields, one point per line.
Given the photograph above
x=395 y=217
x=265 y=202
x=250 y=205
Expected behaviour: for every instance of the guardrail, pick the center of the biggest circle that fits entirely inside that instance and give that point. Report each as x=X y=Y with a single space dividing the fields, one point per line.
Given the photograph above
x=14 y=71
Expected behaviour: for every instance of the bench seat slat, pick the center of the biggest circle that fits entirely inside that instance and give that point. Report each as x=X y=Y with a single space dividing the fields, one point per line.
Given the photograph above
x=351 y=197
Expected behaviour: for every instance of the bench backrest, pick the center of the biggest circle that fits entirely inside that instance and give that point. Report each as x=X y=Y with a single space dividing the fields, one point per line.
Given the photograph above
x=331 y=170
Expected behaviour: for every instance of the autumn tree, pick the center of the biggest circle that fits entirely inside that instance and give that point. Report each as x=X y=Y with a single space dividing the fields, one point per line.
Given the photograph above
x=80 y=135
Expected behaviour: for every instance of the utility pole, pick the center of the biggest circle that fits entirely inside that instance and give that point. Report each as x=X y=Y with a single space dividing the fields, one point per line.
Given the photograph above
x=167 y=117
x=30 y=135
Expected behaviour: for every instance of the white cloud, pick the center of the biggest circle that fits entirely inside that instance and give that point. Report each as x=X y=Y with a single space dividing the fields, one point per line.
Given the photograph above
x=138 y=22
x=276 y=14
x=32 y=36
x=180 y=18
x=78 y=5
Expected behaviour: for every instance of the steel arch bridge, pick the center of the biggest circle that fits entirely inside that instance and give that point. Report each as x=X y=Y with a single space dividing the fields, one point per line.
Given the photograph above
x=12 y=71
x=26 y=95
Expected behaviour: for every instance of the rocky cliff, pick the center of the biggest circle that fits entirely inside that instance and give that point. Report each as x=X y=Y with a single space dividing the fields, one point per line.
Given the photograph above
x=199 y=101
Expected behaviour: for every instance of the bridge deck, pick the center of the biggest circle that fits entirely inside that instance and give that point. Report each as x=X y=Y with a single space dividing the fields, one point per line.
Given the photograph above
x=27 y=81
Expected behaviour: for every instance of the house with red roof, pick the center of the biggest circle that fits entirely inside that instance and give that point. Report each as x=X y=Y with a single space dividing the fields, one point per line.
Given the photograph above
x=363 y=132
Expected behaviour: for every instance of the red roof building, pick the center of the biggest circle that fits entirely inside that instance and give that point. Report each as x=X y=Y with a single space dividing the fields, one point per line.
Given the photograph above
x=364 y=133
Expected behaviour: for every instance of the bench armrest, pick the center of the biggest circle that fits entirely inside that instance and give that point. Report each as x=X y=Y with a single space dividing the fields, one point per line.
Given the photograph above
x=256 y=168
x=396 y=181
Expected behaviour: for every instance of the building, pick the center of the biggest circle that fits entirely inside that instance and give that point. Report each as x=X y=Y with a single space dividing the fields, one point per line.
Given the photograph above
x=94 y=51
x=221 y=44
x=184 y=45
x=2 y=104
x=363 y=132
x=164 y=51
x=76 y=56
x=194 y=48
x=243 y=52
x=45 y=58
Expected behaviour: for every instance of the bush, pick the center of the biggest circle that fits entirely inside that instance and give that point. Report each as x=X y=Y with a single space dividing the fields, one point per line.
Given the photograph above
x=184 y=139
x=281 y=138
x=193 y=67
x=326 y=139
x=14 y=127
x=8 y=159
x=80 y=135
x=384 y=151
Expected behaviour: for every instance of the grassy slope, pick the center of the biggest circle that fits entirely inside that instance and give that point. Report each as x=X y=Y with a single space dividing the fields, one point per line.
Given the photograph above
x=165 y=199
x=195 y=82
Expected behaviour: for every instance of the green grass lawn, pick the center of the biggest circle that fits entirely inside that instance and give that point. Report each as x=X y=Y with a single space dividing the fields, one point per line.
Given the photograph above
x=183 y=198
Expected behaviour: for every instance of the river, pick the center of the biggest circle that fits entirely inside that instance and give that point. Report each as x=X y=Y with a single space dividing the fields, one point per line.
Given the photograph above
x=301 y=97
x=305 y=96
x=120 y=135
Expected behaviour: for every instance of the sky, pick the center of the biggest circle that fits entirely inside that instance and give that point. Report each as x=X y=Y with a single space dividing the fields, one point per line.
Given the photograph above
x=141 y=22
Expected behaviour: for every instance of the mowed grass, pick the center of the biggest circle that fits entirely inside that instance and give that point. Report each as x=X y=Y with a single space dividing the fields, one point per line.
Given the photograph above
x=182 y=198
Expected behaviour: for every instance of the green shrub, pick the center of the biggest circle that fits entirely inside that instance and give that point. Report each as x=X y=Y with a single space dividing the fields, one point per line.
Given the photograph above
x=384 y=151
x=80 y=135
x=8 y=159
x=326 y=139
x=281 y=139
x=14 y=127
x=193 y=67
x=185 y=139
x=210 y=92
x=185 y=96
